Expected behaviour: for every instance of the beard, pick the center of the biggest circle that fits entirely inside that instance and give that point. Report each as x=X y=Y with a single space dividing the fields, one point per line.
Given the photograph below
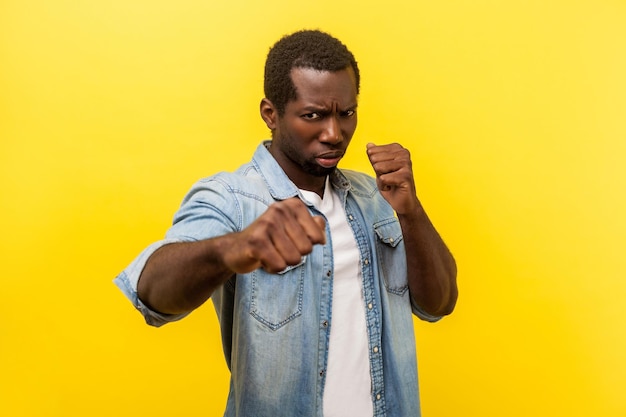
x=313 y=168
x=307 y=165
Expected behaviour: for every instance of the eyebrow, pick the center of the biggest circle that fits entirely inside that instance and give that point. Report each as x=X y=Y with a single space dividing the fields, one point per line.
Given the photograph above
x=316 y=108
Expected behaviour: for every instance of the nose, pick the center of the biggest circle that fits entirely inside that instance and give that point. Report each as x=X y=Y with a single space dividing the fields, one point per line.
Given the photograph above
x=332 y=131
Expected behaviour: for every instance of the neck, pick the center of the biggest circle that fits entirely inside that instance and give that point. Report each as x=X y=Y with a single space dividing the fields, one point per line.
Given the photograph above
x=316 y=187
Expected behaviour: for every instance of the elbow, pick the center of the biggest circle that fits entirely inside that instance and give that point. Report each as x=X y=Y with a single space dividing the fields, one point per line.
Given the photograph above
x=444 y=308
x=448 y=307
x=452 y=293
x=439 y=300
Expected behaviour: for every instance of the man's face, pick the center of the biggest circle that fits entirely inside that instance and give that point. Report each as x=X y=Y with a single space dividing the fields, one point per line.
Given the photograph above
x=312 y=136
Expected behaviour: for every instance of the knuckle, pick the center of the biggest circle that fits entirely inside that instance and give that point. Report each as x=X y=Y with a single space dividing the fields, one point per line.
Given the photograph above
x=304 y=248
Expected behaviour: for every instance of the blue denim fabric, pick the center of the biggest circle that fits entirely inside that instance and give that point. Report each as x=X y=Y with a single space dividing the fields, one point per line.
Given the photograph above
x=275 y=327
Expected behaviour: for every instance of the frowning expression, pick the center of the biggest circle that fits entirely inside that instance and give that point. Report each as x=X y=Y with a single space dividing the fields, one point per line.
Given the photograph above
x=312 y=135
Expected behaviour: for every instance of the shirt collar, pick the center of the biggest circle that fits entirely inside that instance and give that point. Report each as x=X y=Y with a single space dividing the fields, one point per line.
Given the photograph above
x=279 y=184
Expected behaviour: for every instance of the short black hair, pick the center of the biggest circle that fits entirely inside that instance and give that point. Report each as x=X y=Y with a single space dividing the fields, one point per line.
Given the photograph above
x=303 y=49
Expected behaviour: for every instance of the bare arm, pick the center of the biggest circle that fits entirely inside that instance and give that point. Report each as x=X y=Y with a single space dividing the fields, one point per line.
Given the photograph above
x=181 y=276
x=431 y=267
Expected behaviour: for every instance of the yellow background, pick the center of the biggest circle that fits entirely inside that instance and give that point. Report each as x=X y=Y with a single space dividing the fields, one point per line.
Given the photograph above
x=515 y=114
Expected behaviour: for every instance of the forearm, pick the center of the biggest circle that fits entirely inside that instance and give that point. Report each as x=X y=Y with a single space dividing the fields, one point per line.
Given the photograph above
x=179 y=277
x=431 y=268
x=430 y=265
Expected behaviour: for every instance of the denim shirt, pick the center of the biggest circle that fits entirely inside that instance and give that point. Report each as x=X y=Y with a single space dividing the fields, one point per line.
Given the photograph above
x=275 y=327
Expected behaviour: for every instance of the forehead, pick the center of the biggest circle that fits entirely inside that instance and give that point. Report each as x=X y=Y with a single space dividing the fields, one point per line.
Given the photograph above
x=325 y=86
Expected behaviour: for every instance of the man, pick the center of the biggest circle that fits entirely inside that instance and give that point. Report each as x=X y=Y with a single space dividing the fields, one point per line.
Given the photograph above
x=313 y=271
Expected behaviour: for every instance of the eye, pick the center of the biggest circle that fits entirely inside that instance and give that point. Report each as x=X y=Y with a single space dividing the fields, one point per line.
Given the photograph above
x=348 y=113
x=311 y=116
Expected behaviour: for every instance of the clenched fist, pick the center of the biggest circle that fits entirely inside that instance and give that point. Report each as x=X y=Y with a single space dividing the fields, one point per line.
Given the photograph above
x=277 y=239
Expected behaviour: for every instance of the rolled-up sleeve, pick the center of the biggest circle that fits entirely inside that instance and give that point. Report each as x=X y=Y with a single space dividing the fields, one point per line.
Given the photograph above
x=209 y=209
x=127 y=282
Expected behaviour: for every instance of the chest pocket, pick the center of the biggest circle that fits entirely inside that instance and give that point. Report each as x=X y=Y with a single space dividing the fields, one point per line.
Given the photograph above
x=276 y=299
x=391 y=255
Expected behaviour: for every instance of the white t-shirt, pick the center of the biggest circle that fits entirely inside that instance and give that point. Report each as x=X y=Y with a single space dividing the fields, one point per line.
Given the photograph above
x=348 y=386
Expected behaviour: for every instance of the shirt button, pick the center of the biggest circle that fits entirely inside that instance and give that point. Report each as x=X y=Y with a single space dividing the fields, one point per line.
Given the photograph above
x=370 y=306
x=390 y=240
x=375 y=349
x=366 y=261
x=350 y=217
x=322 y=373
x=328 y=274
x=378 y=396
x=325 y=323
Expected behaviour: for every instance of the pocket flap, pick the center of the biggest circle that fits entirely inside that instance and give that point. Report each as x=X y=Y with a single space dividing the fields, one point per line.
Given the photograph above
x=389 y=231
x=290 y=267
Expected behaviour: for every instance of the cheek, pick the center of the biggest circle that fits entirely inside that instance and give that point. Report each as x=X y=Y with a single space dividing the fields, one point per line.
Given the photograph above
x=305 y=131
x=349 y=126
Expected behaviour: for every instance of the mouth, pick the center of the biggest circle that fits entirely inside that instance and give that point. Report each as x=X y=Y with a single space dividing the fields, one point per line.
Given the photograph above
x=330 y=159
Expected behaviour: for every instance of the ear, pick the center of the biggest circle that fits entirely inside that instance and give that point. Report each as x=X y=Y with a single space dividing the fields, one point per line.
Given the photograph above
x=269 y=114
